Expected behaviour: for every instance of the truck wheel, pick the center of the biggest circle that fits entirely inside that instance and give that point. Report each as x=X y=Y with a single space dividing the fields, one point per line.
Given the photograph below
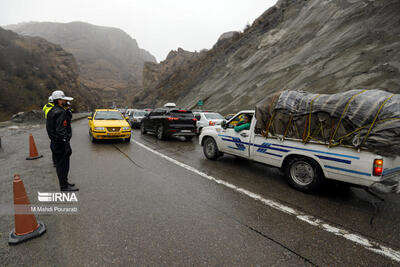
x=210 y=149
x=160 y=132
x=188 y=138
x=142 y=129
x=304 y=174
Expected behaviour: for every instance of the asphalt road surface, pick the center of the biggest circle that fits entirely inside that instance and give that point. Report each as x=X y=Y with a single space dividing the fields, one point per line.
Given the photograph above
x=154 y=202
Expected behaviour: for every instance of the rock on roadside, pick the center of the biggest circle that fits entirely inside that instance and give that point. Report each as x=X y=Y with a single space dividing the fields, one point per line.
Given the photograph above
x=29 y=116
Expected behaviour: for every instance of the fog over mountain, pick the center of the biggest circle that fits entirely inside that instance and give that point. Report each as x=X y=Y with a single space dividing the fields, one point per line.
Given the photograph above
x=110 y=62
x=30 y=69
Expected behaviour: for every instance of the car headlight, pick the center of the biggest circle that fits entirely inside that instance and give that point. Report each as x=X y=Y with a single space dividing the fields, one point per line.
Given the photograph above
x=126 y=128
x=99 y=128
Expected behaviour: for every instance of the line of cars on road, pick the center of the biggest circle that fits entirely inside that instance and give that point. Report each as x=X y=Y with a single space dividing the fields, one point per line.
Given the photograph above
x=165 y=122
x=305 y=165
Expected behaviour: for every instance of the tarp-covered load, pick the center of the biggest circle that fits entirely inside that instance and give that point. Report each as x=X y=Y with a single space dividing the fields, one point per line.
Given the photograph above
x=366 y=119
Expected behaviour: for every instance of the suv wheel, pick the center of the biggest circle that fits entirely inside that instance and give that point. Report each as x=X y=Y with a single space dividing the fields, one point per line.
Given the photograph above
x=210 y=149
x=142 y=129
x=304 y=174
x=160 y=132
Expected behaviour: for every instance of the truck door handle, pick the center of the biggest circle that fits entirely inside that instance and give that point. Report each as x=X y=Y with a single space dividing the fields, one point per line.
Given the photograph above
x=244 y=135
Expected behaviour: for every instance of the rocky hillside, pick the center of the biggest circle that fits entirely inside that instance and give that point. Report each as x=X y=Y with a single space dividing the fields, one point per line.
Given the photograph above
x=314 y=45
x=30 y=69
x=156 y=76
x=110 y=62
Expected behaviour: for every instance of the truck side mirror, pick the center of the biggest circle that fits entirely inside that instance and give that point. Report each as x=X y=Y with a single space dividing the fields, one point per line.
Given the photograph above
x=224 y=125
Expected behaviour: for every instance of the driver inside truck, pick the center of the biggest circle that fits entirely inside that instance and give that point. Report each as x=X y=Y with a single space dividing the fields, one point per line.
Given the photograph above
x=243 y=124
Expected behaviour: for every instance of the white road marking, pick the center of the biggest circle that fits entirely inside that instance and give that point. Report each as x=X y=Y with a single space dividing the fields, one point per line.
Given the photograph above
x=356 y=238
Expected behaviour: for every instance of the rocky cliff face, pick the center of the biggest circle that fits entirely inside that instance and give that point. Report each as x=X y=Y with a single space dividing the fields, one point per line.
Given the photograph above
x=110 y=62
x=30 y=69
x=314 y=45
x=157 y=76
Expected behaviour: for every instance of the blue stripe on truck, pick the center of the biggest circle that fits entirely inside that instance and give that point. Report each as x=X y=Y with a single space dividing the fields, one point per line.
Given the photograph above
x=334 y=159
x=268 y=146
x=318 y=151
x=346 y=170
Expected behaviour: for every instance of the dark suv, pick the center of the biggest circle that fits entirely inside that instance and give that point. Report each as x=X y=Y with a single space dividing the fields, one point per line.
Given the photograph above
x=169 y=122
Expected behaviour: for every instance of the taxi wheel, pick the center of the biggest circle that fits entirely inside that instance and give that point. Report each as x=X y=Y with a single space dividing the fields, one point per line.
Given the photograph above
x=142 y=129
x=92 y=137
x=127 y=140
x=210 y=149
x=160 y=133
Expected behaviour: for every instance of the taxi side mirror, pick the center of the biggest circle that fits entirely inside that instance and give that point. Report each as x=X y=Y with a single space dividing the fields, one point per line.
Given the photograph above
x=223 y=124
x=127 y=118
x=90 y=118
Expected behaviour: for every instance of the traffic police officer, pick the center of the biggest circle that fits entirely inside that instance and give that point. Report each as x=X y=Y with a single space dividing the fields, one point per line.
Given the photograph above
x=59 y=130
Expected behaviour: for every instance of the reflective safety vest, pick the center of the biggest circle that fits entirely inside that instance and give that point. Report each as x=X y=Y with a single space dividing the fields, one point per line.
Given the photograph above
x=47 y=108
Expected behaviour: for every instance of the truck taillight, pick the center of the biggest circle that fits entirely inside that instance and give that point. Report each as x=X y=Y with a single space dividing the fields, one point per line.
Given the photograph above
x=172 y=119
x=378 y=167
x=211 y=123
x=194 y=119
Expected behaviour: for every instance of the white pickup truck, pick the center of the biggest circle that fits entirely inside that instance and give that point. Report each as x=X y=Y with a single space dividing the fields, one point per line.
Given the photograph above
x=305 y=165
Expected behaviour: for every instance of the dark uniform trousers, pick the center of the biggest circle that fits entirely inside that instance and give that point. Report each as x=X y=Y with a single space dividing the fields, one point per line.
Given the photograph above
x=52 y=154
x=62 y=152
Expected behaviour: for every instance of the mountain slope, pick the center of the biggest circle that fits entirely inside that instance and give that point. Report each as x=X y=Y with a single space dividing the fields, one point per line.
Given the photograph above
x=153 y=73
x=110 y=62
x=318 y=46
x=30 y=69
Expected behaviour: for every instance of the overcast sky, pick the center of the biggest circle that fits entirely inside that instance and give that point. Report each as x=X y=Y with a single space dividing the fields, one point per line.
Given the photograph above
x=158 y=25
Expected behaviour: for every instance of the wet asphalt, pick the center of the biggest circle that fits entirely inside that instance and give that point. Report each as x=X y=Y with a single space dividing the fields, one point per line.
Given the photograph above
x=137 y=208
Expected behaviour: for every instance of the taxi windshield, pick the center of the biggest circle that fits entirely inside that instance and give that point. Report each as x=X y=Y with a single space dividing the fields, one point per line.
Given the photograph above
x=108 y=115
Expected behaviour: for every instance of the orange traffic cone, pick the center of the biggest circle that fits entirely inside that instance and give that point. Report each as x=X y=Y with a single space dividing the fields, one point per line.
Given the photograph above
x=33 y=153
x=26 y=226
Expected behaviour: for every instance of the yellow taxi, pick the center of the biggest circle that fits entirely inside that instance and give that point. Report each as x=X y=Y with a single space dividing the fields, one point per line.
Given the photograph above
x=108 y=124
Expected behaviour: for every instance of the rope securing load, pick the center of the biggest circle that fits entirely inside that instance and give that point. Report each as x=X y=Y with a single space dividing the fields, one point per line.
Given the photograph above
x=362 y=119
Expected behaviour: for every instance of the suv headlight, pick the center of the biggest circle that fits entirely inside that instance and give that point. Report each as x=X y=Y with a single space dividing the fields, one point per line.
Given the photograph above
x=126 y=128
x=99 y=128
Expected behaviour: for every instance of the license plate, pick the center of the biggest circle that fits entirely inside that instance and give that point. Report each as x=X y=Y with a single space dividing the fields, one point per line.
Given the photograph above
x=112 y=134
x=186 y=131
